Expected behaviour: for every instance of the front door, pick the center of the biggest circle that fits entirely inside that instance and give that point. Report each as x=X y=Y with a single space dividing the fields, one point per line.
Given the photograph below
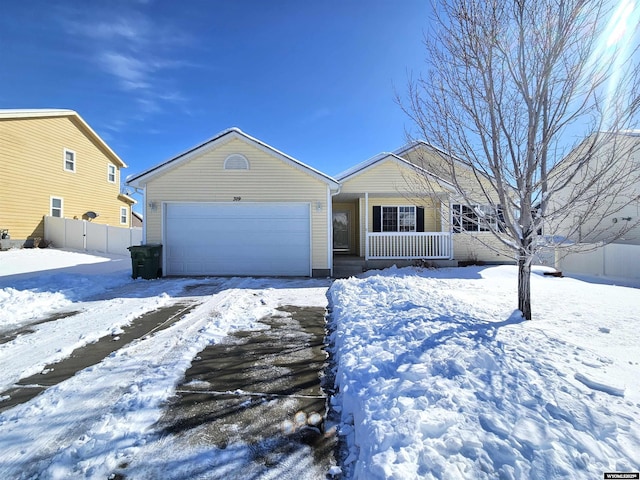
x=341 y=231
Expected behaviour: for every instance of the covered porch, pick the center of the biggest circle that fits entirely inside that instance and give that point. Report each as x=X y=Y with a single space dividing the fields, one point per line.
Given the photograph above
x=391 y=226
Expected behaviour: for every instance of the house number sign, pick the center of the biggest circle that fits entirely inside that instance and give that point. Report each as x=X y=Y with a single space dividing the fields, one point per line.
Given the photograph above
x=237 y=199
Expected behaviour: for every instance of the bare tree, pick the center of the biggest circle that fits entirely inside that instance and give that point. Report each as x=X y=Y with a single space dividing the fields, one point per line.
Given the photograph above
x=511 y=88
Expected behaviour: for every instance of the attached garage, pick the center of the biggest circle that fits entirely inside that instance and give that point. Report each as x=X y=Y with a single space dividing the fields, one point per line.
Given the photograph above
x=234 y=205
x=238 y=239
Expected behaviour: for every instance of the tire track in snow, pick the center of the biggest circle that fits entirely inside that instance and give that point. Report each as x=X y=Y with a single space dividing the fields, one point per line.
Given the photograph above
x=90 y=424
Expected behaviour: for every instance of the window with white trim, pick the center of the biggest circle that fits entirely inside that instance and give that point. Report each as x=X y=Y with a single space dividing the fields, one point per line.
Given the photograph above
x=476 y=218
x=236 y=161
x=111 y=173
x=398 y=219
x=69 y=160
x=124 y=216
x=56 y=207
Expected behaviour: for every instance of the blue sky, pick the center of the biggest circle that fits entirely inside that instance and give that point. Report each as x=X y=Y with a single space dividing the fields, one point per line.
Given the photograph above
x=316 y=80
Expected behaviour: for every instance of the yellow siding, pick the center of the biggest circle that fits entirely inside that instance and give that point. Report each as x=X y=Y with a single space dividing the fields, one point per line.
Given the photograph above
x=32 y=154
x=432 y=217
x=388 y=177
x=436 y=164
x=481 y=247
x=269 y=179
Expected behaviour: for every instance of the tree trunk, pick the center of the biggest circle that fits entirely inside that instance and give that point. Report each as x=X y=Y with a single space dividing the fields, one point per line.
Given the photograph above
x=524 y=287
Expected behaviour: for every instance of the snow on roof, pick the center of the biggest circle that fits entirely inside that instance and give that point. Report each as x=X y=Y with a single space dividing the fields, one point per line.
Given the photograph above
x=34 y=112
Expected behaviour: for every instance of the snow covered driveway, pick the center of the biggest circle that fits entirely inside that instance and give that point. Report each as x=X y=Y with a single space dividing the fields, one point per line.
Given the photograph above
x=88 y=425
x=439 y=378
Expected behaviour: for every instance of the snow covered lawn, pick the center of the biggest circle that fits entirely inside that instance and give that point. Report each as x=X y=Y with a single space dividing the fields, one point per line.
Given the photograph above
x=439 y=378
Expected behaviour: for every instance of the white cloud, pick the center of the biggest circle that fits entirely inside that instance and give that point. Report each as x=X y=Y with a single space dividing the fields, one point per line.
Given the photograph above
x=132 y=73
x=134 y=49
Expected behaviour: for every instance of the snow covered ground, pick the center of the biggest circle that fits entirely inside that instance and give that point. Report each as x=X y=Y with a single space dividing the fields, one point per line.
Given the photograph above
x=87 y=426
x=440 y=378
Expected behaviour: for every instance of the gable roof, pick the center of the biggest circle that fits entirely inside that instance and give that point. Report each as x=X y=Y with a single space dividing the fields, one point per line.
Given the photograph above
x=53 y=112
x=421 y=143
x=223 y=137
x=381 y=157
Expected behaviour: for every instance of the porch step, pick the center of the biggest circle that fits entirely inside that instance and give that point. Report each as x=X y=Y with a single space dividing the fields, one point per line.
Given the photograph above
x=346 y=271
x=345 y=266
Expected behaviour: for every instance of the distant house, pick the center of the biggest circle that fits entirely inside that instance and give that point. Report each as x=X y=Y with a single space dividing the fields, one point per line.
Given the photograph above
x=610 y=211
x=136 y=219
x=55 y=164
x=234 y=205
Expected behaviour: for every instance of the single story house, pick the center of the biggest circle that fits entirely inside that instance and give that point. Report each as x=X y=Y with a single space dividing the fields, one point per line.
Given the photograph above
x=234 y=205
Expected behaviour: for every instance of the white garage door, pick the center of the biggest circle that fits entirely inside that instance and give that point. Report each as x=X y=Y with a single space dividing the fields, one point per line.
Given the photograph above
x=237 y=239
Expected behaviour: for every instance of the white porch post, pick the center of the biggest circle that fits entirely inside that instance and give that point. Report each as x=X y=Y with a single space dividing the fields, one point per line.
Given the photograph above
x=366 y=225
x=450 y=228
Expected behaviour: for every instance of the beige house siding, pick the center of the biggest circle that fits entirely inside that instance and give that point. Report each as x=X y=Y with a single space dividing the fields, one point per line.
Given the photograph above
x=388 y=177
x=480 y=247
x=32 y=155
x=388 y=183
x=432 y=217
x=615 y=214
x=269 y=179
x=432 y=161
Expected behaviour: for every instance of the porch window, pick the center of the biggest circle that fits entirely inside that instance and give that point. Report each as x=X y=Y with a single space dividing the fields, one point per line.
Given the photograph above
x=478 y=218
x=395 y=219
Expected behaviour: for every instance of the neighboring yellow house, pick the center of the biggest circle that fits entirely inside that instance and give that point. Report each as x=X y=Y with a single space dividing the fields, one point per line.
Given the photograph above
x=55 y=164
x=234 y=205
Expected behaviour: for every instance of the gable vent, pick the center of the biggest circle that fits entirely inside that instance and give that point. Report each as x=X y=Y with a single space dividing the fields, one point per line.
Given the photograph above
x=236 y=162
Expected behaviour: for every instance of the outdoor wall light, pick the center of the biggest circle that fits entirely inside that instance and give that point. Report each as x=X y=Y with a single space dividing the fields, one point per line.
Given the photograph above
x=318 y=206
x=152 y=205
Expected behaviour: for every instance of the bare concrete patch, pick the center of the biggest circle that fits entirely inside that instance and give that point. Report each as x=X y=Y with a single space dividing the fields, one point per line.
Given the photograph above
x=262 y=389
x=91 y=354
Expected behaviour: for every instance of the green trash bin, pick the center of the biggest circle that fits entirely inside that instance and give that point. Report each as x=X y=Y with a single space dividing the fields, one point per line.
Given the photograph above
x=145 y=261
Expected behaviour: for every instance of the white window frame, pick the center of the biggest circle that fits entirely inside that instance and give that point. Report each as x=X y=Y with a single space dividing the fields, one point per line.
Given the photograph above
x=485 y=223
x=64 y=160
x=61 y=208
x=124 y=214
x=398 y=217
x=112 y=170
x=236 y=162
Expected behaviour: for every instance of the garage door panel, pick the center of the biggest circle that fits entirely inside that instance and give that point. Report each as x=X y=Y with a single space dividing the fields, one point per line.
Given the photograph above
x=237 y=239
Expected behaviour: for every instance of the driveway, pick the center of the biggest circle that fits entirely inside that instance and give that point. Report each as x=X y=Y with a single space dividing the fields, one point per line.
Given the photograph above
x=223 y=380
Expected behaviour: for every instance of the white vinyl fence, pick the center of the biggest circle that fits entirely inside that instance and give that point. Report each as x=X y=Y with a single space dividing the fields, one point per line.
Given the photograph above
x=84 y=235
x=614 y=260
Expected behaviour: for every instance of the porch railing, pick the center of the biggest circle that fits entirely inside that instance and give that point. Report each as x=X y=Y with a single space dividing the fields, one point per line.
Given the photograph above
x=410 y=245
